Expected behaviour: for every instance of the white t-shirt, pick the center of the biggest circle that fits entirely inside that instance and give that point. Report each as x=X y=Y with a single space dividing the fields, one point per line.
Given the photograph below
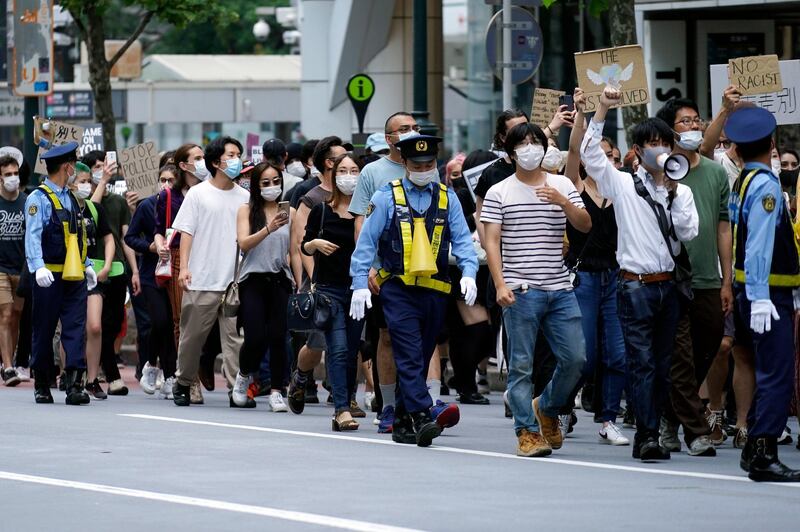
x=531 y=233
x=209 y=215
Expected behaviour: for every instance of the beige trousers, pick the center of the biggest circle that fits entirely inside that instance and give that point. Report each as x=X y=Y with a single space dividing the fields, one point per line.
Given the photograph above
x=199 y=310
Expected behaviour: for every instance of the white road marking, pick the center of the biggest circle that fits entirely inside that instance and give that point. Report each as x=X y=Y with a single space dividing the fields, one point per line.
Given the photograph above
x=263 y=511
x=455 y=450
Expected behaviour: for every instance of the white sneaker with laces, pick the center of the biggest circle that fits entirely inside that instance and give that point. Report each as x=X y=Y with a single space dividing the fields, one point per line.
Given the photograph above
x=23 y=374
x=368 y=397
x=239 y=392
x=166 y=388
x=276 y=402
x=148 y=380
x=611 y=434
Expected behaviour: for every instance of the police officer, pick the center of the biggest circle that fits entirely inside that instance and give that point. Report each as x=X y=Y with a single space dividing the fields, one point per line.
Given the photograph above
x=407 y=222
x=55 y=249
x=767 y=277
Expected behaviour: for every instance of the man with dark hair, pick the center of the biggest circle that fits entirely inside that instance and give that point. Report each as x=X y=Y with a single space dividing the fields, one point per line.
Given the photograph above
x=767 y=287
x=701 y=321
x=654 y=215
x=207 y=222
x=12 y=260
x=55 y=245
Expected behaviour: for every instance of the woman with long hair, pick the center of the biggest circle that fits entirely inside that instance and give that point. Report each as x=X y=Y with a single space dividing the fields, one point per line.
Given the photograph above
x=264 y=286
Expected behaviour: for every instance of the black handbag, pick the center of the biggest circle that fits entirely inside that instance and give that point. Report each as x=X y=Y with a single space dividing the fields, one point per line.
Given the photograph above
x=310 y=311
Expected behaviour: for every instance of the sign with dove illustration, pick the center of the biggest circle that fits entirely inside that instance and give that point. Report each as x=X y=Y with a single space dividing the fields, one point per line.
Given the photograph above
x=621 y=67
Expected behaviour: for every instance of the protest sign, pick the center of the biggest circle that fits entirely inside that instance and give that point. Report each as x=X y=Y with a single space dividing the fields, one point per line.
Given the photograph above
x=783 y=104
x=92 y=139
x=759 y=74
x=545 y=105
x=139 y=165
x=257 y=154
x=472 y=175
x=621 y=67
x=55 y=133
x=251 y=142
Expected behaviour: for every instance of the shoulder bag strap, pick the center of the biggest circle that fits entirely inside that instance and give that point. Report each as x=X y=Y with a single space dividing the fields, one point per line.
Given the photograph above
x=169 y=207
x=658 y=210
x=319 y=235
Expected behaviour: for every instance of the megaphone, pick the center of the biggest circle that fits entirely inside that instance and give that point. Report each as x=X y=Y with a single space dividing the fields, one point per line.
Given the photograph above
x=73 y=268
x=675 y=166
x=422 y=261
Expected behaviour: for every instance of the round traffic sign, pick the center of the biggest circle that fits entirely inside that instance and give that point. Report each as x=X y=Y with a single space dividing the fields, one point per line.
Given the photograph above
x=360 y=88
x=527 y=45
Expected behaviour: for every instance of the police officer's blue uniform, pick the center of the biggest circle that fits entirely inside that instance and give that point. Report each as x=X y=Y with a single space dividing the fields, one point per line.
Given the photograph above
x=766 y=269
x=414 y=306
x=51 y=212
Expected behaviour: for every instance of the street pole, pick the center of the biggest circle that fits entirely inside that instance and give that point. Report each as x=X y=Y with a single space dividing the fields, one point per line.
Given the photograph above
x=420 y=26
x=507 y=86
x=29 y=148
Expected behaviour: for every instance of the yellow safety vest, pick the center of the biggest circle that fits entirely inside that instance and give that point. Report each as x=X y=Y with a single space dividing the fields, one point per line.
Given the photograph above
x=58 y=268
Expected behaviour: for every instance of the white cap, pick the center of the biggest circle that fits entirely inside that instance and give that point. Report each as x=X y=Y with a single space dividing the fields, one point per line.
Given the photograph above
x=13 y=152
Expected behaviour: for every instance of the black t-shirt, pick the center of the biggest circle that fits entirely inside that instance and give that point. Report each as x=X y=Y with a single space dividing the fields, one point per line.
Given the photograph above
x=12 y=234
x=96 y=233
x=301 y=189
x=600 y=253
x=493 y=174
x=333 y=269
x=468 y=206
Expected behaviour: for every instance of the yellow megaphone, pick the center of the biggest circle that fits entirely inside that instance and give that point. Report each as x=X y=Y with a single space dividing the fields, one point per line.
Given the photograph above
x=423 y=263
x=73 y=268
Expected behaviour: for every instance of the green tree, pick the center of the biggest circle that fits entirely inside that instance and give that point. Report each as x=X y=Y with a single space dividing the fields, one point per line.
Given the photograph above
x=90 y=20
x=622 y=22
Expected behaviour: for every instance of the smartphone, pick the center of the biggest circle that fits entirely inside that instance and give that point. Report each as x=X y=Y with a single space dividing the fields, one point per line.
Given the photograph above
x=568 y=100
x=111 y=157
x=283 y=206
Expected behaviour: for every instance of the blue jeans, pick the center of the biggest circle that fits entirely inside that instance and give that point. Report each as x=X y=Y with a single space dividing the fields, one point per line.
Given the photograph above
x=649 y=317
x=559 y=316
x=597 y=297
x=342 y=337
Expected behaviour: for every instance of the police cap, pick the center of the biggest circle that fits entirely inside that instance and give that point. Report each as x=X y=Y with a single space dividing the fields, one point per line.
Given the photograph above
x=419 y=148
x=749 y=125
x=60 y=154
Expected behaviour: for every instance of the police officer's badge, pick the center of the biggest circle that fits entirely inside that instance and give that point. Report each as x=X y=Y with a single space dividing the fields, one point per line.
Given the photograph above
x=32 y=210
x=370 y=208
x=768 y=202
x=422 y=146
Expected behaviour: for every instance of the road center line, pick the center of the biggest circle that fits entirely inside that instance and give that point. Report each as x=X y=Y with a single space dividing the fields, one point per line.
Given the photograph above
x=455 y=450
x=213 y=504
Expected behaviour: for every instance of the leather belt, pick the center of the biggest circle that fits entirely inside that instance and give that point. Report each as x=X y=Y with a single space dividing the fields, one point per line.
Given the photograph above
x=646 y=278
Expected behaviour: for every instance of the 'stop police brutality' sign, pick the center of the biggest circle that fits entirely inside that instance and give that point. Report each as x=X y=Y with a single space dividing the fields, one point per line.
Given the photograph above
x=783 y=104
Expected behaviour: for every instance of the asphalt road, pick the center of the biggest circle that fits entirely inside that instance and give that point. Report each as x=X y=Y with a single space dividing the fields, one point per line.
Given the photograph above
x=139 y=463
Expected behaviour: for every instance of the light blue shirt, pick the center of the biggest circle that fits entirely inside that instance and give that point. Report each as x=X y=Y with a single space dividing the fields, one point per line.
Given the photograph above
x=375 y=175
x=37 y=212
x=380 y=219
x=760 y=229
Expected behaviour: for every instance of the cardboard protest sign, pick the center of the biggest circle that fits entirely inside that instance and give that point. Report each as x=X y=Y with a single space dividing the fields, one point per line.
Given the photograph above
x=759 y=74
x=92 y=139
x=621 y=67
x=54 y=133
x=545 y=105
x=139 y=165
x=783 y=103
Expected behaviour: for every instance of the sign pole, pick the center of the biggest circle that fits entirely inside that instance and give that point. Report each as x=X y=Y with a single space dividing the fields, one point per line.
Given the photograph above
x=29 y=148
x=507 y=85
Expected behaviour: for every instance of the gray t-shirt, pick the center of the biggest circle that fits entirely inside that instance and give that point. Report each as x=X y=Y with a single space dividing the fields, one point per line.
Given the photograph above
x=372 y=177
x=269 y=256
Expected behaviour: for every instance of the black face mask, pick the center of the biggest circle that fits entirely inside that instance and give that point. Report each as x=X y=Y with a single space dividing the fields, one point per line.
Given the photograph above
x=458 y=183
x=789 y=177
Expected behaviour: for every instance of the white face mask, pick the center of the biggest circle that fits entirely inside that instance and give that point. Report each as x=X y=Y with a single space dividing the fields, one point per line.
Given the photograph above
x=552 y=161
x=690 y=140
x=423 y=179
x=11 y=183
x=271 y=193
x=530 y=156
x=346 y=184
x=718 y=153
x=200 y=170
x=97 y=175
x=296 y=168
x=407 y=135
x=776 y=166
x=83 y=190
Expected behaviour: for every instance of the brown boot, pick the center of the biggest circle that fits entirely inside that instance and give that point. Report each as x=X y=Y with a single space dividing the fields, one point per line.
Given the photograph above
x=532 y=444
x=549 y=427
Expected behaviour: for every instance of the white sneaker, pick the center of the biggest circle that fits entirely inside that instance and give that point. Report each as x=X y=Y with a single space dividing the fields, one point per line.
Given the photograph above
x=239 y=392
x=563 y=424
x=23 y=374
x=578 y=405
x=377 y=420
x=148 y=380
x=159 y=379
x=611 y=434
x=276 y=402
x=166 y=388
x=368 y=397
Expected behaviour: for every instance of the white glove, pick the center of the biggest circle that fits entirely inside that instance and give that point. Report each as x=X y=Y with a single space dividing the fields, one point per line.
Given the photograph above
x=91 y=278
x=361 y=297
x=760 y=312
x=796 y=295
x=469 y=290
x=44 y=277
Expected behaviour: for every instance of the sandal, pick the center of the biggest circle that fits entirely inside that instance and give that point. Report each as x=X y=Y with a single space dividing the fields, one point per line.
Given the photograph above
x=341 y=425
